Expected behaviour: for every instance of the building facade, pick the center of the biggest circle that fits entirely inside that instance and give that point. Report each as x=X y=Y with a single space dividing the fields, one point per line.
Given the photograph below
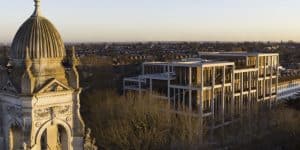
x=39 y=94
x=288 y=89
x=221 y=85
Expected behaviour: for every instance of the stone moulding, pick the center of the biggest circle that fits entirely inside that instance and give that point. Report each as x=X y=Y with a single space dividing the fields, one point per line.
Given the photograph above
x=55 y=111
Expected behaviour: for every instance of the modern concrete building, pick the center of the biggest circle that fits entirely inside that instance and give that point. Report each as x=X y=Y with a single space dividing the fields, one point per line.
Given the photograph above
x=217 y=84
x=288 y=89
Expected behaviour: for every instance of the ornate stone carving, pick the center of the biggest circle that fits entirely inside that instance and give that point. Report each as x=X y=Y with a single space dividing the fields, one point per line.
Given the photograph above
x=53 y=112
x=54 y=86
x=68 y=118
x=14 y=111
x=8 y=87
x=38 y=124
x=25 y=146
x=42 y=113
x=89 y=142
x=62 y=110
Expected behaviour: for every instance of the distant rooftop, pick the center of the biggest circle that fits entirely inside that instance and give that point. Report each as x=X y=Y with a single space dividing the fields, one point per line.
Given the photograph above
x=237 y=53
x=204 y=62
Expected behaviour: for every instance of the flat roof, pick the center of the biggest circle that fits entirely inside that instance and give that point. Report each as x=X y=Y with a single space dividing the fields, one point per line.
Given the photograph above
x=156 y=63
x=237 y=54
x=192 y=63
x=159 y=76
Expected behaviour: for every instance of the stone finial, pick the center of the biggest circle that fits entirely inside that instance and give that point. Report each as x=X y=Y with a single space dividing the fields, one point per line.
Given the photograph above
x=89 y=142
x=25 y=146
x=74 y=59
x=73 y=50
x=37 y=11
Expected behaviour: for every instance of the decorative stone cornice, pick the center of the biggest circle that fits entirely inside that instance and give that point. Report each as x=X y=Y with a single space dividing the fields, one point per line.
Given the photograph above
x=51 y=113
x=53 y=94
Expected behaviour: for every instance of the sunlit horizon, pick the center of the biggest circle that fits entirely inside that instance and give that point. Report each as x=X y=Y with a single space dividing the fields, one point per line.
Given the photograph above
x=144 y=20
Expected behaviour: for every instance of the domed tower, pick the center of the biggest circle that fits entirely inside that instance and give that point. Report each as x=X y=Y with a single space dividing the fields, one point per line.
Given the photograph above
x=39 y=96
x=38 y=40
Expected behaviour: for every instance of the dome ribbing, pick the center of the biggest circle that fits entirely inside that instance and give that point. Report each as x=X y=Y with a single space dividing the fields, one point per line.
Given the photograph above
x=39 y=36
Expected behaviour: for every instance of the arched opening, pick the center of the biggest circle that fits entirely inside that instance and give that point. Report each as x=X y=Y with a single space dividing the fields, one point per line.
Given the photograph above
x=54 y=137
x=15 y=138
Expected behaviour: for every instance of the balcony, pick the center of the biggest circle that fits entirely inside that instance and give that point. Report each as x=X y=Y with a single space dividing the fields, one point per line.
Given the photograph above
x=246 y=89
x=260 y=97
x=253 y=88
x=237 y=91
x=208 y=83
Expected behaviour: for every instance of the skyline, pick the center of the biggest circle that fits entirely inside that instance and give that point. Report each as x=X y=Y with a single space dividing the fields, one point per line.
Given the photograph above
x=142 y=20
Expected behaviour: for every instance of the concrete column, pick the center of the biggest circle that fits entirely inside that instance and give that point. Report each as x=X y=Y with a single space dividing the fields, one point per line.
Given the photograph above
x=233 y=92
x=190 y=76
x=242 y=90
x=271 y=80
x=250 y=87
x=213 y=103
x=184 y=75
x=183 y=98
x=190 y=100
x=174 y=98
x=169 y=93
x=179 y=98
x=140 y=87
x=143 y=69
x=201 y=116
x=201 y=94
x=250 y=81
x=213 y=92
x=257 y=65
x=277 y=73
x=257 y=89
x=264 y=81
x=151 y=87
x=169 y=98
x=223 y=94
x=124 y=90
x=190 y=90
x=201 y=103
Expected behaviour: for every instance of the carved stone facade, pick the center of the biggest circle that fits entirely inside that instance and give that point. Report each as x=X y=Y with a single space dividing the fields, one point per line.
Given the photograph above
x=39 y=96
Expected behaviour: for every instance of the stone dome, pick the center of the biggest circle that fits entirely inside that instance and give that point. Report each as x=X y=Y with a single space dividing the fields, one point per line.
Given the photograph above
x=38 y=39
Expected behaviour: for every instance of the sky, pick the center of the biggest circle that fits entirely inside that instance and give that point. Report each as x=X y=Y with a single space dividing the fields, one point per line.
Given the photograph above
x=160 y=20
